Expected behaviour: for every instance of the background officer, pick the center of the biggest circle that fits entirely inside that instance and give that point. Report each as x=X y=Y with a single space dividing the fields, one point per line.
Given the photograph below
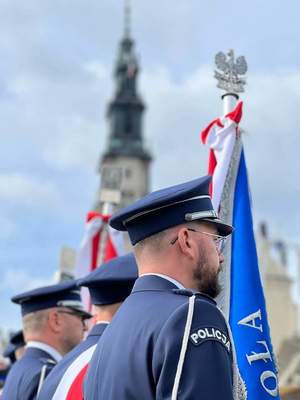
x=168 y=340
x=109 y=285
x=53 y=323
x=16 y=347
x=13 y=351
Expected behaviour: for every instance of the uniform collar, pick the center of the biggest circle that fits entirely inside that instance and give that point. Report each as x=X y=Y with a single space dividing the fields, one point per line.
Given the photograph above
x=153 y=282
x=98 y=329
x=45 y=347
x=168 y=278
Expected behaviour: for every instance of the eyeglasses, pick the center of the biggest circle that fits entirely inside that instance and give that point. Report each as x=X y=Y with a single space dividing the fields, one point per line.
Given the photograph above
x=78 y=315
x=219 y=241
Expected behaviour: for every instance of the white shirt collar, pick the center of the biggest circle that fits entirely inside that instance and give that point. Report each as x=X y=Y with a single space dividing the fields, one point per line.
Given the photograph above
x=102 y=322
x=45 y=347
x=168 y=278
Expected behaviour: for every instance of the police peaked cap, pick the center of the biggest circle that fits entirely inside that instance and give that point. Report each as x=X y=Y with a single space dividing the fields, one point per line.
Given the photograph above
x=9 y=352
x=17 y=339
x=64 y=294
x=162 y=209
x=112 y=282
x=15 y=342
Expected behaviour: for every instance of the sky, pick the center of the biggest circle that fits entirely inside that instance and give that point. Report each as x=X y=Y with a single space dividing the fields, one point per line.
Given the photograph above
x=57 y=59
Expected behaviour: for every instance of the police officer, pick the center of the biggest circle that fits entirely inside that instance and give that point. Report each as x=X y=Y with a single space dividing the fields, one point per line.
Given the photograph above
x=108 y=285
x=13 y=351
x=169 y=340
x=53 y=323
x=15 y=348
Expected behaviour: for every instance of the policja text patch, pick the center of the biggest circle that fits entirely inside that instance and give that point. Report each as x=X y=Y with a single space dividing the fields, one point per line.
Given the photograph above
x=200 y=335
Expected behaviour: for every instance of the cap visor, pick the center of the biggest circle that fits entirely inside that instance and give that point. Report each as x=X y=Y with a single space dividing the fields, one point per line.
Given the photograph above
x=223 y=229
x=81 y=312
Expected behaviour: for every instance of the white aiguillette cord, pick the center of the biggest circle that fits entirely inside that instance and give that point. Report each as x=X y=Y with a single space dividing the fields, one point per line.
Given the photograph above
x=42 y=378
x=239 y=388
x=184 y=345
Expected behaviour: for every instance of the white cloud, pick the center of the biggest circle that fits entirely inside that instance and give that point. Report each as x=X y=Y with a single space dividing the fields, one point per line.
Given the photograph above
x=179 y=110
x=29 y=191
x=97 y=69
x=65 y=122
x=18 y=281
x=74 y=145
x=57 y=61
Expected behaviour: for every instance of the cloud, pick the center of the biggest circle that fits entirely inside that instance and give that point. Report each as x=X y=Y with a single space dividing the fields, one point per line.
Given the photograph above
x=74 y=149
x=29 y=191
x=71 y=133
x=98 y=70
x=18 y=281
x=179 y=110
x=56 y=79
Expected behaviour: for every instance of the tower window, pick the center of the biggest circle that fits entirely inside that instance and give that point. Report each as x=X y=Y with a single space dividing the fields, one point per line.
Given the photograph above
x=128 y=122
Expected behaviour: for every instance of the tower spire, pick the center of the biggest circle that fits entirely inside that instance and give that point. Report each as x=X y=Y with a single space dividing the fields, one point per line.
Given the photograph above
x=125 y=148
x=127 y=18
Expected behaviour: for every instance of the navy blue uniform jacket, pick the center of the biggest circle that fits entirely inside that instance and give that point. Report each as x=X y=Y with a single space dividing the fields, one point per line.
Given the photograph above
x=23 y=379
x=138 y=354
x=57 y=373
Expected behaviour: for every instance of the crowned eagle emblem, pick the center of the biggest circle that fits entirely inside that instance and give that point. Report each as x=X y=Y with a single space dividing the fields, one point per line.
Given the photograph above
x=229 y=70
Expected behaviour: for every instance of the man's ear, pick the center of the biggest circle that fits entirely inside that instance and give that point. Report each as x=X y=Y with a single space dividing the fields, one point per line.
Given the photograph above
x=186 y=243
x=54 y=321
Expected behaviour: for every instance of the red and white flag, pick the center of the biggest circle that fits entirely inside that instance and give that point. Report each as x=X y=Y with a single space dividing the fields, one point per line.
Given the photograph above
x=87 y=257
x=242 y=299
x=71 y=385
x=220 y=136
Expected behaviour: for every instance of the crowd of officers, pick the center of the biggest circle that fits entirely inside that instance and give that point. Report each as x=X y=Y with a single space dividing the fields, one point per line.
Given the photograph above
x=154 y=331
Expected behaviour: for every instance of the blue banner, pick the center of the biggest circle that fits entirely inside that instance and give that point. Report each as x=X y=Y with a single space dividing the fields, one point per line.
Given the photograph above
x=248 y=317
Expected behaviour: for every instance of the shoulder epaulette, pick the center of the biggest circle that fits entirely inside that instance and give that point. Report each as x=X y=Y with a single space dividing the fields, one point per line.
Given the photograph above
x=190 y=293
x=184 y=292
x=207 y=296
x=48 y=361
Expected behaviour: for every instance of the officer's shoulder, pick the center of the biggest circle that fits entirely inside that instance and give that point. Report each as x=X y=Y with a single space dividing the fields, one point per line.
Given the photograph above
x=208 y=322
x=48 y=362
x=199 y=296
x=204 y=306
x=36 y=363
x=33 y=369
x=41 y=368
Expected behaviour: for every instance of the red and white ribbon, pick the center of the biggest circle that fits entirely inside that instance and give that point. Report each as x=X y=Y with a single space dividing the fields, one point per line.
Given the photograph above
x=220 y=136
x=87 y=257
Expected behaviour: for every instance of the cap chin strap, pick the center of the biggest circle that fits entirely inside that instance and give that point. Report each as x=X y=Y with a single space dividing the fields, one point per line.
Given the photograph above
x=70 y=303
x=200 y=215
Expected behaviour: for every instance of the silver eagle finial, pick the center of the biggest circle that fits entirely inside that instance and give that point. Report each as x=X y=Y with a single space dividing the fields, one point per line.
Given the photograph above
x=229 y=79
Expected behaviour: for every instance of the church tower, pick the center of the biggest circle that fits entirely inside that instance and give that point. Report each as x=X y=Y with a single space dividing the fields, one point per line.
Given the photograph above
x=277 y=287
x=125 y=148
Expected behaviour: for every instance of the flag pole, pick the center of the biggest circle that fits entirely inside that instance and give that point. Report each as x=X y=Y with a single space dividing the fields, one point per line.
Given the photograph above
x=110 y=196
x=229 y=80
x=242 y=298
x=229 y=102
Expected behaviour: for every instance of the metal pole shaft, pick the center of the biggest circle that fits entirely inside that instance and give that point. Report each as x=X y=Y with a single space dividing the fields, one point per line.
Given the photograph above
x=229 y=102
x=107 y=210
x=226 y=207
